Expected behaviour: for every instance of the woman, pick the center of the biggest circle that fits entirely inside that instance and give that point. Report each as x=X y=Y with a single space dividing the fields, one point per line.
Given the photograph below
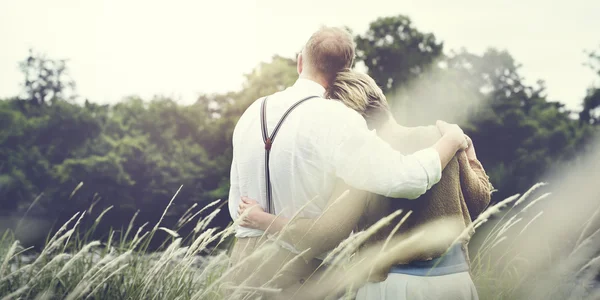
x=419 y=272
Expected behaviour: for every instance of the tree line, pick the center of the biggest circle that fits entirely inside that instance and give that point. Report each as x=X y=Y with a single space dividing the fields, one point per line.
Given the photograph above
x=59 y=155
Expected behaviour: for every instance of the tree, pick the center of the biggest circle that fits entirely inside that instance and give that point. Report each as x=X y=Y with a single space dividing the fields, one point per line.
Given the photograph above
x=39 y=136
x=520 y=135
x=46 y=80
x=590 y=113
x=395 y=52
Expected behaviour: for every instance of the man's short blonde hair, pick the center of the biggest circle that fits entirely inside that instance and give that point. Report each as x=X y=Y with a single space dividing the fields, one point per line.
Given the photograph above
x=359 y=92
x=328 y=51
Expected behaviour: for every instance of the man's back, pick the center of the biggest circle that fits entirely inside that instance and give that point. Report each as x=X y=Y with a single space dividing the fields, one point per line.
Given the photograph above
x=297 y=168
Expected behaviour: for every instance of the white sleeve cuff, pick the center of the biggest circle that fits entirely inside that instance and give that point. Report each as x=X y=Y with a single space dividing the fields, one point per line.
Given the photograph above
x=431 y=163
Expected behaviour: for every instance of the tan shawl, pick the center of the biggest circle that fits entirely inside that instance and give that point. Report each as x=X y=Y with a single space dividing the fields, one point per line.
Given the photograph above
x=462 y=194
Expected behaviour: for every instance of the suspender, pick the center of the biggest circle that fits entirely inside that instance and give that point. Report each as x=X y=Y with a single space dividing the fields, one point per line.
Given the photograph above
x=268 y=140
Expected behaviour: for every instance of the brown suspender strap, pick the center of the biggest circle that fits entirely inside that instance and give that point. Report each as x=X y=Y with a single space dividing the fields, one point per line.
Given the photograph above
x=268 y=140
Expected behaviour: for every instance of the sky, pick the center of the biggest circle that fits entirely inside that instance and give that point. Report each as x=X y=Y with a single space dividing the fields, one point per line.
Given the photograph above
x=182 y=49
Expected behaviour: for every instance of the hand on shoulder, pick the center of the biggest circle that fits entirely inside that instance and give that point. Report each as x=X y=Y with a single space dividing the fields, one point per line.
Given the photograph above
x=454 y=132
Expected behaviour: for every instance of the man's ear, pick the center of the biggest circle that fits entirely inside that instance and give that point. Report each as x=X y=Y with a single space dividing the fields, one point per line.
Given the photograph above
x=299 y=64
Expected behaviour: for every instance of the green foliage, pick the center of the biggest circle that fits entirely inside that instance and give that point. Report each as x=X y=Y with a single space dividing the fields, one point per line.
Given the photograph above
x=395 y=52
x=519 y=135
x=38 y=138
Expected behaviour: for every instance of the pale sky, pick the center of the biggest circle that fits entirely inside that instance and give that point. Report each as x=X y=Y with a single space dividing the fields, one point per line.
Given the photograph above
x=184 y=48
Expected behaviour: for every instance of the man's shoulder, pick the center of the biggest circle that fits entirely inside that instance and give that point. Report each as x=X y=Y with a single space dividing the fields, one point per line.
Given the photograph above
x=326 y=110
x=247 y=117
x=333 y=107
x=252 y=109
x=254 y=105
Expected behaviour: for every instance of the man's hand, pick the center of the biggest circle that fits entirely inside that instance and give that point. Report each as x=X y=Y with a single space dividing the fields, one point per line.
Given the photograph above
x=470 y=151
x=455 y=133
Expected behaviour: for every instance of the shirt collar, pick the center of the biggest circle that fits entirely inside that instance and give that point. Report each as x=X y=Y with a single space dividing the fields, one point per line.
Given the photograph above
x=310 y=86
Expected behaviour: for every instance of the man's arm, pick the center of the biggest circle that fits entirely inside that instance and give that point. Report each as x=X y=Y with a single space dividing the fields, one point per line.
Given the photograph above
x=366 y=162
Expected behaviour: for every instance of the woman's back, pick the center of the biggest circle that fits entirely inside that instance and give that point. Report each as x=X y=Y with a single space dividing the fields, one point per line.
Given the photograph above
x=444 y=200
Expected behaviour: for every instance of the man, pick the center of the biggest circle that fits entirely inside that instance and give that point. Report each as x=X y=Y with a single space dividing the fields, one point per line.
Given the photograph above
x=320 y=142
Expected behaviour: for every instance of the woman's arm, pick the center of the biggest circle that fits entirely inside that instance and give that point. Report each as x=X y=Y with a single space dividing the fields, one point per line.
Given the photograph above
x=257 y=218
x=474 y=182
x=316 y=236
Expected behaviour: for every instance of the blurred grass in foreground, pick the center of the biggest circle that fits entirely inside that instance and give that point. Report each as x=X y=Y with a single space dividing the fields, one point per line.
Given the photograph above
x=121 y=267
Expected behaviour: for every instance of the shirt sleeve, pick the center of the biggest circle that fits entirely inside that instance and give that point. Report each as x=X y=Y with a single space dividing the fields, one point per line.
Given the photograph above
x=234 y=191
x=364 y=161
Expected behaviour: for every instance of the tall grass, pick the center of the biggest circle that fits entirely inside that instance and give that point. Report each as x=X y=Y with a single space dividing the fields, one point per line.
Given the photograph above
x=495 y=275
x=122 y=267
x=514 y=261
x=72 y=267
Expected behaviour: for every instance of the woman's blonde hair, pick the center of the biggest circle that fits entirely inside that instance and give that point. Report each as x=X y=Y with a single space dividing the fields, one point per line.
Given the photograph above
x=360 y=92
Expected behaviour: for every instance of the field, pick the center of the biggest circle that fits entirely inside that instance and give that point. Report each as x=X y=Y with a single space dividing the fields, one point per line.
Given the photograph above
x=122 y=267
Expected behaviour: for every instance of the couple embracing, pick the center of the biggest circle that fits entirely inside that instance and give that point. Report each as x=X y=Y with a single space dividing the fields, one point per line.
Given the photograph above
x=325 y=159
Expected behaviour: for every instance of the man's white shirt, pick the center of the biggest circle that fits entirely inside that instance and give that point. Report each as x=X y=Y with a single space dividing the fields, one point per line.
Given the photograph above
x=320 y=142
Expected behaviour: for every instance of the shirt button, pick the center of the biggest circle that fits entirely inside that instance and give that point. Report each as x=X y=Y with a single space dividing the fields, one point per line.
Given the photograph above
x=302 y=280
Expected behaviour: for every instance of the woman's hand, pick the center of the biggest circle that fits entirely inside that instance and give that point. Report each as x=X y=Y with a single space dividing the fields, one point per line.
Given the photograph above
x=255 y=217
